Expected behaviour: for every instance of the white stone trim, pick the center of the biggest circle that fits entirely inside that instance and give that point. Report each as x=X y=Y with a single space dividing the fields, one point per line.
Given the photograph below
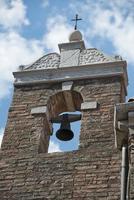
x=71 y=45
x=89 y=105
x=39 y=110
x=123 y=122
x=72 y=73
x=67 y=85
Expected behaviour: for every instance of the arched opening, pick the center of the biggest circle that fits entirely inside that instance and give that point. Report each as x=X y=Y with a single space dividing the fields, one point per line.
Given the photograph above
x=64 y=102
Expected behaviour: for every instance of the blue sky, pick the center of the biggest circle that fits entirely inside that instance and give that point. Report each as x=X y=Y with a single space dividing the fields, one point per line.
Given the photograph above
x=32 y=28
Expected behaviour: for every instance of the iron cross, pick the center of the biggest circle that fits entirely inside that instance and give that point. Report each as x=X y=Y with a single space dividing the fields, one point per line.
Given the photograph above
x=76 y=19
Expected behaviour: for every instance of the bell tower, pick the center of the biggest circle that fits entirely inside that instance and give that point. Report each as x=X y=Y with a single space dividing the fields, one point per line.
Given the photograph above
x=77 y=79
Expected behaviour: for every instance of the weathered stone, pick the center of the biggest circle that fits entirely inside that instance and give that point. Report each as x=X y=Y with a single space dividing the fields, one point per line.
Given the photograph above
x=27 y=170
x=39 y=110
x=89 y=105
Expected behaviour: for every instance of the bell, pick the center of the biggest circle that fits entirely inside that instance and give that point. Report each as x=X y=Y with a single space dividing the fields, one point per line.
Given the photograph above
x=65 y=133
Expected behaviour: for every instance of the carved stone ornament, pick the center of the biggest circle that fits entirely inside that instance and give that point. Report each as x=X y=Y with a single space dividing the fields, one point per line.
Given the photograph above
x=73 y=63
x=86 y=56
x=89 y=56
x=51 y=60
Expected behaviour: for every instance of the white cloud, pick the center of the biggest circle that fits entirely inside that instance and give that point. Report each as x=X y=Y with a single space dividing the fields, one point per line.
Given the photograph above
x=57 y=32
x=5 y=88
x=120 y=32
x=53 y=147
x=14 y=51
x=45 y=3
x=110 y=20
x=12 y=13
x=1 y=135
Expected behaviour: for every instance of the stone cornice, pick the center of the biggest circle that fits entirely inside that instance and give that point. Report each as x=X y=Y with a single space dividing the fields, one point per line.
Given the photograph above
x=89 y=71
x=123 y=122
x=71 y=45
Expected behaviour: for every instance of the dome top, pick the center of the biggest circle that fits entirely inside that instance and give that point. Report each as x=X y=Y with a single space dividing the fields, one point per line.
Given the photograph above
x=75 y=36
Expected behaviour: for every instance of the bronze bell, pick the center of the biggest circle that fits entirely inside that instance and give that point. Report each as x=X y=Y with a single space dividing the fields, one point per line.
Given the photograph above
x=65 y=133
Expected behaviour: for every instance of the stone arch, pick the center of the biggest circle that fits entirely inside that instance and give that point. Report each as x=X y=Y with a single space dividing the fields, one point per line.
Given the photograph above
x=64 y=101
x=61 y=102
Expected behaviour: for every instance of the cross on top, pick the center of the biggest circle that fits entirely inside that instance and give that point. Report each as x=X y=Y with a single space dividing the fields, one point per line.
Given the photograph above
x=76 y=19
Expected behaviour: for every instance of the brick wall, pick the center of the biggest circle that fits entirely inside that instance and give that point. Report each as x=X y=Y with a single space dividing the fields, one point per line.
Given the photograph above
x=92 y=172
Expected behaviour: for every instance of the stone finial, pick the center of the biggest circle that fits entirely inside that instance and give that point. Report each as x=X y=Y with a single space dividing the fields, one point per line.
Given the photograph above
x=75 y=36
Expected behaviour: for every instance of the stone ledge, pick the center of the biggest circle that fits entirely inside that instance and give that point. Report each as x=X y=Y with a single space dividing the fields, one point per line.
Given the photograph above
x=38 y=110
x=67 y=85
x=123 y=121
x=89 y=105
x=90 y=71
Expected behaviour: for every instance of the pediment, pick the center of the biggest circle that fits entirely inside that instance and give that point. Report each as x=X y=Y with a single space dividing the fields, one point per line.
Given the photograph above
x=89 y=56
x=51 y=60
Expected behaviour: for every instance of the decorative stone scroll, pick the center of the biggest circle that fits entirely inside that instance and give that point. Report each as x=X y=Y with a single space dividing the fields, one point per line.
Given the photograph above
x=51 y=60
x=93 y=55
x=70 y=58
